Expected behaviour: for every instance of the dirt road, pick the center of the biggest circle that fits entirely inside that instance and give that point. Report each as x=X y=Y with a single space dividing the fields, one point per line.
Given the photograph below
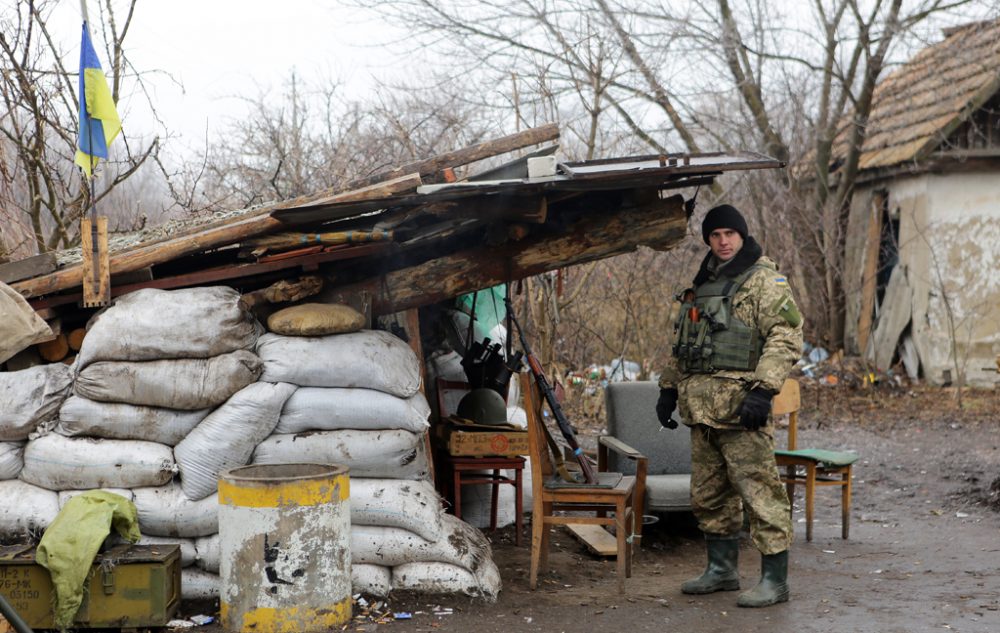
x=924 y=552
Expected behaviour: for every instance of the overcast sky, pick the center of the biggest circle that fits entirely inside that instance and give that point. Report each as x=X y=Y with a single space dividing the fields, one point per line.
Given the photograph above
x=215 y=50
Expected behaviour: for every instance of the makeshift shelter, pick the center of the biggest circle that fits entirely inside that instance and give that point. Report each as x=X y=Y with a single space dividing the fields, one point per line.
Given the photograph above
x=923 y=242
x=386 y=245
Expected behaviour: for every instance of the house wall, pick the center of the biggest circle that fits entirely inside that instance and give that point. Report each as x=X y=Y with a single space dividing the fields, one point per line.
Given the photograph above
x=949 y=244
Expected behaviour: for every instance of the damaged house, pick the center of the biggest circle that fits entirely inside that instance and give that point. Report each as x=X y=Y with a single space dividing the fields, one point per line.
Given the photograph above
x=921 y=274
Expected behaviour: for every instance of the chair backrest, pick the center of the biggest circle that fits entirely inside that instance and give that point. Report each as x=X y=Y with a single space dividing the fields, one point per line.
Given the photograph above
x=539 y=455
x=631 y=417
x=788 y=401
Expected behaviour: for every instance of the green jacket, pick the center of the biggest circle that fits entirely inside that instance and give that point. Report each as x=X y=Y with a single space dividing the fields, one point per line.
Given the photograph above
x=764 y=301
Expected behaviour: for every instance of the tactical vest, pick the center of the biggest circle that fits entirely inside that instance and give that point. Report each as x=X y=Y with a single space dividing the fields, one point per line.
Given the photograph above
x=708 y=337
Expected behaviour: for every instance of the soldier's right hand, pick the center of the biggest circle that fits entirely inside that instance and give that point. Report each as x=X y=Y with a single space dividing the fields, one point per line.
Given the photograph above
x=665 y=405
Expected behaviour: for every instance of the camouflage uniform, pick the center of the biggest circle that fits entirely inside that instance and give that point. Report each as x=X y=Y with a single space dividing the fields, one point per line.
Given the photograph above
x=734 y=468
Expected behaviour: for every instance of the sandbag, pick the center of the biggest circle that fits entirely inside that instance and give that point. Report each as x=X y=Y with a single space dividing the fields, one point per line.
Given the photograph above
x=165 y=511
x=209 y=551
x=331 y=409
x=25 y=508
x=151 y=324
x=116 y=420
x=447 y=578
x=369 y=359
x=459 y=544
x=62 y=463
x=316 y=319
x=410 y=505
x=20 y=325
x=11 y=459
x=199 y=585
x=227 y=437
x=373 y=580
x=30 y=398
x=66 y=495
x=390 y=454
x=188 y=384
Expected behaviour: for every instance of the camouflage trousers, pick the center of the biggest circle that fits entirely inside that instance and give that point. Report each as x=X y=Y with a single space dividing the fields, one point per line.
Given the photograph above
x=735 y=470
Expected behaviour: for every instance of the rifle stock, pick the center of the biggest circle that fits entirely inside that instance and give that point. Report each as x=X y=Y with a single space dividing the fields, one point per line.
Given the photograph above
x=590 y=475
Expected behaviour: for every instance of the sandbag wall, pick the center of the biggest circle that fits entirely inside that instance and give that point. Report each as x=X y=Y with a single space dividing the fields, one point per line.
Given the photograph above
x=359 y=403
x=171 y=388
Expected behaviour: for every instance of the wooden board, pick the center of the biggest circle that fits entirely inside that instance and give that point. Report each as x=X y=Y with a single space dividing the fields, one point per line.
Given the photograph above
x=96 y=275
x=598 y=540
x=27 y=268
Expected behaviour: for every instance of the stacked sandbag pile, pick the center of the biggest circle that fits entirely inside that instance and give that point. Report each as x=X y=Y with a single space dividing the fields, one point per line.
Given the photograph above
x=446 y=364
x=29 y=400
x=359 y=404
x=165 y=384
x=168 y=391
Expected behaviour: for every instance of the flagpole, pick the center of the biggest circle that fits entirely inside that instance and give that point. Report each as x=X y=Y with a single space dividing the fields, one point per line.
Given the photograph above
x=89 y=182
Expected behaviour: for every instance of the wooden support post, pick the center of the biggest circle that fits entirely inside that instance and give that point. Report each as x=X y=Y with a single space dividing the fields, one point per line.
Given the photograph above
x=96 y=274
x=869 y=276
x=658 y=224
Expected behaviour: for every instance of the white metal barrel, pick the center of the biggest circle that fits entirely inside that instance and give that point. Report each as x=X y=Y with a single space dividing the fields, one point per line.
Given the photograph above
x=286 y=559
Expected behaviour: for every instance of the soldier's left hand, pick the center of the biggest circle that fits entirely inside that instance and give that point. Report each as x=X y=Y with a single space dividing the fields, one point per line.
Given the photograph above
x=755 y=409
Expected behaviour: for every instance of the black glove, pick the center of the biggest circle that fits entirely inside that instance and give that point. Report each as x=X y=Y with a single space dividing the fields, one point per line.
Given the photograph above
x=756 y=406
x=665 y=408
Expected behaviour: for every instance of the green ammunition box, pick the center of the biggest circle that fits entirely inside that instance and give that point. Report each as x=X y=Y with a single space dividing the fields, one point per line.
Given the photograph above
x=129 y=586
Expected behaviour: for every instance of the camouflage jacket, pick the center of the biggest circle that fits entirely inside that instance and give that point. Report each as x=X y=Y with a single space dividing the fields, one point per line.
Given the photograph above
x=764 y=301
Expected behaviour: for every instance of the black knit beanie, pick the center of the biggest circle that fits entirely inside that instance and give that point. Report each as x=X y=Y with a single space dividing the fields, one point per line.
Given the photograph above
x=723 y=216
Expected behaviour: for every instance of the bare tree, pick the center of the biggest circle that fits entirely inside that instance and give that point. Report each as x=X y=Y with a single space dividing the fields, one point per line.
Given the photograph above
x=713 y=74
x=41 y=193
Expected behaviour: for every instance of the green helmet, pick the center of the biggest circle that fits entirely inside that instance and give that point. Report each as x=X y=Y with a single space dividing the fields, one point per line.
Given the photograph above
x=483 y=406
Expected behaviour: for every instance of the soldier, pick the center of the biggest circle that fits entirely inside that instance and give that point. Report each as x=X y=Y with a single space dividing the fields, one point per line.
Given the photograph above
x=736 y=336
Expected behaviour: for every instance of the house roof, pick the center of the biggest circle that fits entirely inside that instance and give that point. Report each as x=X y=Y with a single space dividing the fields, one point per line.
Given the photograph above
x=916 y=107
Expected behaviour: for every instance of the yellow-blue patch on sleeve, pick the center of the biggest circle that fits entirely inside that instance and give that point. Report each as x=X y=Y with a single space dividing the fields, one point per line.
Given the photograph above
x=781 y=281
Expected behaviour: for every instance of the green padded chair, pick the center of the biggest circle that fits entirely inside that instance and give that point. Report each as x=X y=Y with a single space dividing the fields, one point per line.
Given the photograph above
x=811 y=467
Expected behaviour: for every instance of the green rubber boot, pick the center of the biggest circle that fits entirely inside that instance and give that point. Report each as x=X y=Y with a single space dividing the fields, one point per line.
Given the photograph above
x=773 y=585
x=721 y=574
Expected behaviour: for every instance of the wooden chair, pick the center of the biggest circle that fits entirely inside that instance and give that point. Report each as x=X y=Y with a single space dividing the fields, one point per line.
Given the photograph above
x=552 y=497
x=811 y=467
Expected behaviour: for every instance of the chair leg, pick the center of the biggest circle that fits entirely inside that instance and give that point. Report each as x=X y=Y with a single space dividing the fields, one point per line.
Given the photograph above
x=494 y=499
x=518 y=507
x=543 y=559
x=537 y=527
x=810 y=497
x=845 y=505
x=456 y=493
x=630 y=545
x=620 y=533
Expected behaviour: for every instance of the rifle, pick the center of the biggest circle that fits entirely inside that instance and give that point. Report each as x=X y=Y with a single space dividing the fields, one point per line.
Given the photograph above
x=590 y=476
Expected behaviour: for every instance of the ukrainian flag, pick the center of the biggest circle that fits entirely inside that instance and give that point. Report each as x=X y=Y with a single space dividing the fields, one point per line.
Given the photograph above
x=99 y=122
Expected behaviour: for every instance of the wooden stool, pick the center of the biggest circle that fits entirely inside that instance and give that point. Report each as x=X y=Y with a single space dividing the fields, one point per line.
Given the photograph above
x=463 y=473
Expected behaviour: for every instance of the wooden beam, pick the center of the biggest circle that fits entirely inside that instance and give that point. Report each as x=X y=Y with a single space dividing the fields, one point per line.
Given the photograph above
x=309 y=262
x=432 y=166
x=659 y=224
x=869 y=275
x=188 y=244
x=27 y=268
